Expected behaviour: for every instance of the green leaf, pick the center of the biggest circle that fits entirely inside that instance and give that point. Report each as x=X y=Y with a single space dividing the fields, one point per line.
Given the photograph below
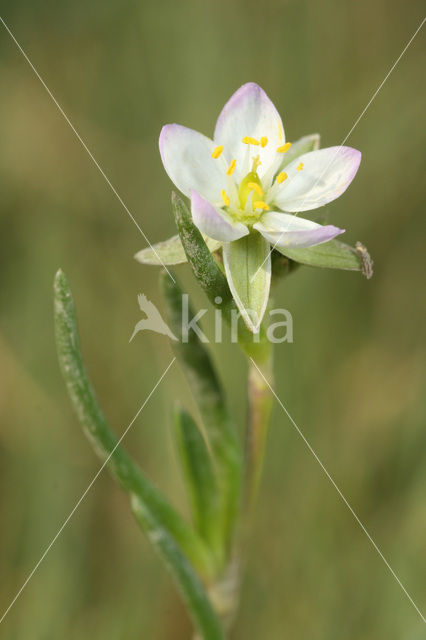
x=165 y=528
x=199 y=477
x=208 y=392
x=248 y=269
x=170 y=252
x=203 y=265
x=188 y=583
x=298 y=148
x=333 y=255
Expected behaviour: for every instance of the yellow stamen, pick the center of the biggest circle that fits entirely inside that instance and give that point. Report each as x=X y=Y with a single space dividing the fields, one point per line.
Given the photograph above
x=250 y=140
x=216 y=153
x=300 y=167
x=284 y=148
x=280 y=131
x=259 y=204
x=225 y=198
x=256 y=187
x=281 y=177
x=231 y=167
x=263 y=141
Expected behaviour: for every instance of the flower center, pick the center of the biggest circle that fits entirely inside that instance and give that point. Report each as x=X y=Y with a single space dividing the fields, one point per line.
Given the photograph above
x=251 y=184
x=247 y=202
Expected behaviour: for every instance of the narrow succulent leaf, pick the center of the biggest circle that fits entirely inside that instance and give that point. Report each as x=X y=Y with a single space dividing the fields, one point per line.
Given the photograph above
x=199 y=476
x=203 y=265
x=299 y=147
x=188 y=583
x=210 y=397
x=105 y=442
x=170 y=252
x=332 y=255
x=248 y=269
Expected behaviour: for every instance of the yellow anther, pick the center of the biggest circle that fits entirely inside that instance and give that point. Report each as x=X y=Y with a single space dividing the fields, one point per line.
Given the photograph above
x=263 y=141
x=259 y=204
x=256 y=187
x=231 y=167
x=284 y=148
x=225 y=198
x=281 y=177
x=300 y=166
x=250 y=140
x=216 y=153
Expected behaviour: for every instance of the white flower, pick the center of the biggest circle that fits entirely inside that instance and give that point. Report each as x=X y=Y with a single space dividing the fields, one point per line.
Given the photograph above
x=242 y=196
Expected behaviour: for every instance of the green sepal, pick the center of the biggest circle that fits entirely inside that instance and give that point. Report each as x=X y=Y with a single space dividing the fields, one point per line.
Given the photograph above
x=333 y=255
x=170 y=252
x=210 y=275
x=203 y=265
x=248 y=269
x=200 y=479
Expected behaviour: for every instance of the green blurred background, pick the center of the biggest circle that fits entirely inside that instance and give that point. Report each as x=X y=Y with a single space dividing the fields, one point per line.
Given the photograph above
x=353 y=379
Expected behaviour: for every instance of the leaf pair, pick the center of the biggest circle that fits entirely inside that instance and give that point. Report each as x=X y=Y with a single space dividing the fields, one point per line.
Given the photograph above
x=180 y=547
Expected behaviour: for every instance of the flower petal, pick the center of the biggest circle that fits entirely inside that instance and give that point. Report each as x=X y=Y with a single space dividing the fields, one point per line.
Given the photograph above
x=325 y=175
x=299 y=147
x=249 y=112
x=283 y=230
x=303 y=145
x=248 y=270
x=186 y=156
x=215 y=222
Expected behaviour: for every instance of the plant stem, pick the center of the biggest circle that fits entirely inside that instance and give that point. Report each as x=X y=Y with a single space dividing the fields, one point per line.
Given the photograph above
x=224 y=592
x=224 y=596
x=259 y=411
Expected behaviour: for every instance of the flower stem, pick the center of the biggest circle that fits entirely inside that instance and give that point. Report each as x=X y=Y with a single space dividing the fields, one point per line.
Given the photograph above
x=259 y=411
x=224 y=593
